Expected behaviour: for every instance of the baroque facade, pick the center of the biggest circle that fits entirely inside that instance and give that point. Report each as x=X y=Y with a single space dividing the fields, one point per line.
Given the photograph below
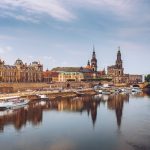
x=74 y=73
x=116 y=72
x=21 y=72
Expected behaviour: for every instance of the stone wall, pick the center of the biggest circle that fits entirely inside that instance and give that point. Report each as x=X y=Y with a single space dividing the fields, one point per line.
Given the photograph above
x=15 y=87
x=22 y=86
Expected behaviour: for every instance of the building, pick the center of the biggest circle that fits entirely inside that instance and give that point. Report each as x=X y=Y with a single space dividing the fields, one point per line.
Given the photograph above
x=21 y=72
x=66 y=74
x=70 y=76
x=116 y=72
x=133 y=79
x=50 y=76
x=78 y=73
x=93 y=61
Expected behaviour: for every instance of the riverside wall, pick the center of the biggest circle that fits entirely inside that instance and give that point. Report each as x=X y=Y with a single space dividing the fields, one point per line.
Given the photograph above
x=15 y=87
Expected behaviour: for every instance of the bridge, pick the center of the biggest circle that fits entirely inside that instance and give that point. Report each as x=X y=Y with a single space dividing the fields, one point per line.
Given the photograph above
x=142 y=85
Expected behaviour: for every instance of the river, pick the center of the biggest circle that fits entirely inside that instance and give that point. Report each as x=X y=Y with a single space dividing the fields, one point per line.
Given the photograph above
x=116 y=122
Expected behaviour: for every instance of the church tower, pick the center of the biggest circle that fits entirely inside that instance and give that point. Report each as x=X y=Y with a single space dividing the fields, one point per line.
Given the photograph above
x=119 y=60
x=88 y=65
x=94 y=61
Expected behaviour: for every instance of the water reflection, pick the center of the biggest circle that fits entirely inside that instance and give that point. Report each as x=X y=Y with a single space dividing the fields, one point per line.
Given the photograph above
x=19 y=117
x=116 y=102
x=33 y=113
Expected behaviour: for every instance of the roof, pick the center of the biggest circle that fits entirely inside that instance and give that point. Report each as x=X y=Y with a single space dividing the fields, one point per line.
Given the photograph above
x=73 y=69
x=86 y=70
x=18 y=62
x=113 y=67
x=10 y=66
x=50 y=73
x=66 y=69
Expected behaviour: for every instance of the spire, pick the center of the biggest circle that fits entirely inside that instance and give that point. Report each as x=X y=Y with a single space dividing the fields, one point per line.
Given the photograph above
x=119 y=54
x=93 y=48
x=119 y=60
x=88 y=64
x=94 y=60
x=94 y=55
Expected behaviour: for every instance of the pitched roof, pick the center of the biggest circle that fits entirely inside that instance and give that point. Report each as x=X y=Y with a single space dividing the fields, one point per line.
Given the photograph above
x=67 y=69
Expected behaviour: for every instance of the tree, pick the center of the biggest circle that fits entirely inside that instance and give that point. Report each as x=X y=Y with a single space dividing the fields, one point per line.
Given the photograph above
x=147 y=78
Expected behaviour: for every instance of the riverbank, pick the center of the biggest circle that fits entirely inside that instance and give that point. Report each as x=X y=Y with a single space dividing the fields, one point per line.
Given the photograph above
x=51 y=94
x=15 y=87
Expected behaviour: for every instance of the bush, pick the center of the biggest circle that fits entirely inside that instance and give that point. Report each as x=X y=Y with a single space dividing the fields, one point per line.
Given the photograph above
x=147 y=78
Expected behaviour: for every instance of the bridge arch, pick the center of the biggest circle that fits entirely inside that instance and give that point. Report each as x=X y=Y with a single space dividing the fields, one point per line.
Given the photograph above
x=136 y=85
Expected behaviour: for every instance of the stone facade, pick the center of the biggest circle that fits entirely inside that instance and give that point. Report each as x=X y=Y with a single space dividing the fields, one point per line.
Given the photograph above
x=50 y=76
x=20 y=72
x=133 y=79
x=62 y=76
x=79 y=73
x=70 y=76
x=116 y=72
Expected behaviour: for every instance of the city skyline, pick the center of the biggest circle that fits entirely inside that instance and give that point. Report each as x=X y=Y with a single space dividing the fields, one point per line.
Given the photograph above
x=62 y=33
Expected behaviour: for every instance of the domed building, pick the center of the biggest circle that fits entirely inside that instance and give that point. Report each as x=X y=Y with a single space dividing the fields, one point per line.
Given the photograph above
x=21 y=72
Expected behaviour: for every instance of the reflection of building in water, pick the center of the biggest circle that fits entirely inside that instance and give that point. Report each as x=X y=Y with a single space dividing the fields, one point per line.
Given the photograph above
x=80 y=104
x=33 y=113
x=20 y=117
x=116 y=103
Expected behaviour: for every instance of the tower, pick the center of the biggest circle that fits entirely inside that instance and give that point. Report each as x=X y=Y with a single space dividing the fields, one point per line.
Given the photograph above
x=88 y=65
x=94 y=61
x=119 y=60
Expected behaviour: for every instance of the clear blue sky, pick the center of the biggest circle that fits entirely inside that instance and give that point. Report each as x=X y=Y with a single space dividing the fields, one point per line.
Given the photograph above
x=62 y=32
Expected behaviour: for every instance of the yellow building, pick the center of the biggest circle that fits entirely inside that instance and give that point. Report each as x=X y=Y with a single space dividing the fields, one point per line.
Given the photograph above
x=20 y=72
x=70 y=76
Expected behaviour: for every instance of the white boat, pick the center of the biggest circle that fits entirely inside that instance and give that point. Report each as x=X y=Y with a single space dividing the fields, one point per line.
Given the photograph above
x=106 y=92
x=103 y=91
x=42 y=96
x=136 y=90
x=13 y=101
x=99 y=91
x=105 y=97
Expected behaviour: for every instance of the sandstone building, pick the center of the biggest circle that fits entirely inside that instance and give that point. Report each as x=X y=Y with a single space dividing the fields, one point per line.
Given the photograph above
x=21 y=72
x=74 y=73
x=116 y=72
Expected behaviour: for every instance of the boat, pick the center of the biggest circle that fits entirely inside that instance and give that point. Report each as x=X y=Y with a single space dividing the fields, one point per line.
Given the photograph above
x=136 y=90
x=104 y=91
x=80 y=93
x=99 y=91
x=43 y=97
x=12 y=102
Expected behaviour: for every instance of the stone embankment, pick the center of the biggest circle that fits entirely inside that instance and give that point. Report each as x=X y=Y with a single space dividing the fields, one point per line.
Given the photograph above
x=15 y=87
x=52 y=94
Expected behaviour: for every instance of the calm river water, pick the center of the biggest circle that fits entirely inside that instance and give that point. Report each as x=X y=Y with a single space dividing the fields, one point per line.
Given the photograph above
x=117 y=122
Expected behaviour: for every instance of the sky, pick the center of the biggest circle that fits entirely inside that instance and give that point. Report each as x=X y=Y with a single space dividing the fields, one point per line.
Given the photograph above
x=63 y=32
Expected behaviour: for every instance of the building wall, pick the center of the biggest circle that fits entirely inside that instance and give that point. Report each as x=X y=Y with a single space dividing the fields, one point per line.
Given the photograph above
x=133 y=79
x=66 y=76
x=21 y=72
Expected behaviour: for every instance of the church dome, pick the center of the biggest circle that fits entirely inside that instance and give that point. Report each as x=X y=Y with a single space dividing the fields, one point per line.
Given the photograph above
x=18 y=62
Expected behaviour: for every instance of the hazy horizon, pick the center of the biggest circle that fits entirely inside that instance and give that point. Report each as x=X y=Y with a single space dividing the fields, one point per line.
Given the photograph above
x=63 y=32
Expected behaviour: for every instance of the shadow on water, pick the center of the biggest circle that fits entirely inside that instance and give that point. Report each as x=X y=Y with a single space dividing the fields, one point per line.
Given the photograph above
x=33 y=112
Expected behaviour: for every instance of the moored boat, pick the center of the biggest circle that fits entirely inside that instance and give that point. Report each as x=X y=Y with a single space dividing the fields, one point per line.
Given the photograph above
x=13 y=101
x=136 y=90
x=43 y=97
x=80 y=93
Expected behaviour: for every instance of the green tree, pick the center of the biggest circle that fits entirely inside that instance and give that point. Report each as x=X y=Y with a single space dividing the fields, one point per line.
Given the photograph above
x=147 y=78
